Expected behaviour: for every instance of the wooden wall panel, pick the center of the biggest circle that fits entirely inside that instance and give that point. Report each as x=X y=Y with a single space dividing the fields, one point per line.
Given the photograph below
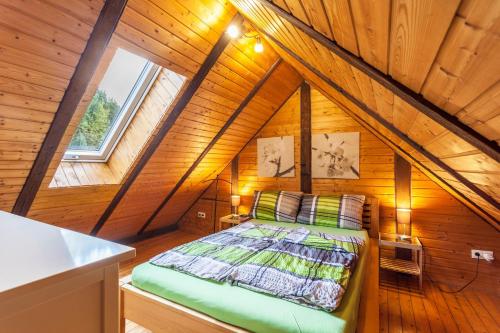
x=449 y=230
x=376 y=159
x=285 y=123
x=267 y=100
x=190 y=222
x=228 y=82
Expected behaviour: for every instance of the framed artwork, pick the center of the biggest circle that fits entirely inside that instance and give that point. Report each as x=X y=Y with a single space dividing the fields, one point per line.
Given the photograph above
x=275 y=157
x=335 y=155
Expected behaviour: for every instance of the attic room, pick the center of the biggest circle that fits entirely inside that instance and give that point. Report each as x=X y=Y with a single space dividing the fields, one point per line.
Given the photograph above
x=249 y=166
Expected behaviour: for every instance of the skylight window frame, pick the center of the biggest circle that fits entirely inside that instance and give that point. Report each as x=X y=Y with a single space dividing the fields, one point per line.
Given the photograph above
x=125 y=116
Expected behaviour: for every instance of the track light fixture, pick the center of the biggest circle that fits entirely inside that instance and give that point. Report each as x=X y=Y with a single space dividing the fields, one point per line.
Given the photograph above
x=234 y=32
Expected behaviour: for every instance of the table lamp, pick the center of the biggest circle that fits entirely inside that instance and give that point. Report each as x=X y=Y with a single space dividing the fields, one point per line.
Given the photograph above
x=235 y=203
x=403 y=216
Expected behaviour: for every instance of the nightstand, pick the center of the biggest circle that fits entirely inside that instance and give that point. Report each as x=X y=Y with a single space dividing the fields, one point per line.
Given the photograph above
x=232 y=220
x=413 y=266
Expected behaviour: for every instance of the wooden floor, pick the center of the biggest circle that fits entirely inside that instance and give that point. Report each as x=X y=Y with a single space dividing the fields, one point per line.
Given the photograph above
x=403 y=308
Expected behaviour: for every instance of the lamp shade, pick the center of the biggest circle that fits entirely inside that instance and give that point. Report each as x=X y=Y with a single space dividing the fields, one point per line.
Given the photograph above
x=403 y=215
x=235 y=200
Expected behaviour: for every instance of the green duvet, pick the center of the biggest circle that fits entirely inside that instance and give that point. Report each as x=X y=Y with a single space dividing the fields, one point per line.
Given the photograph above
x=251 y=310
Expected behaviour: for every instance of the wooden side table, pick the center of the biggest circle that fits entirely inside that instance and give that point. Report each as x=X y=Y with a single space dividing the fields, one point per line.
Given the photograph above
x=414 y=266
x=232 y=220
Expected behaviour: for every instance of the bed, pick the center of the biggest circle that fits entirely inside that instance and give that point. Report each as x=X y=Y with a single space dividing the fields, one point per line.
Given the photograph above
x=192 y=304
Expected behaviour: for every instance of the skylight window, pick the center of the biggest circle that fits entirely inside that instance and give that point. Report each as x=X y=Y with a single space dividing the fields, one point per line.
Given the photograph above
x=119 y=94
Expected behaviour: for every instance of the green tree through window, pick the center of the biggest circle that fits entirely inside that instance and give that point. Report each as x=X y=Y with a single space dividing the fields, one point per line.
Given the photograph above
x=96 y=123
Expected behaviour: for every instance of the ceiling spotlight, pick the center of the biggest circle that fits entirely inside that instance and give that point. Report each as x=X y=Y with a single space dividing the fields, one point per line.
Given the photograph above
x=258 y=47
x=233 y=31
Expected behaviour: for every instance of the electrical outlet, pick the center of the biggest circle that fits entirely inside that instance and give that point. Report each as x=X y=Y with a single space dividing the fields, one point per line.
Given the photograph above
x=202 y=215
x=485 y=255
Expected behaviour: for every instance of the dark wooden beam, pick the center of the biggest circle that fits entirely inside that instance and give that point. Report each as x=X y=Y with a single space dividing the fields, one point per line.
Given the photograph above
x=235 y=169
x=87 y=65
x=305 y=138
x=485 y=196
x=432 y=111
x=402 y=187
x=188 y=93
x=402 y=182
x=212 y=143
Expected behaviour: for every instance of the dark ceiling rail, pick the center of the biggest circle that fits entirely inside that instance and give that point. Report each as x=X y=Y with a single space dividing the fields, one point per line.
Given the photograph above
x=183 y=101
x=212 y=143
x=416 y=100
x=89 y=61
x=485 y=196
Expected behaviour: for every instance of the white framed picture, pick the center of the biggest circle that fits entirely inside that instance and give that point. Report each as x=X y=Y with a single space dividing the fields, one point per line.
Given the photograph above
x=335 y=155
x=275 y=157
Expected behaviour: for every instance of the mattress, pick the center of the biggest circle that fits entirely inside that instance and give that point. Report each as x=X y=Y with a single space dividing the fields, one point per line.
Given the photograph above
x=251 y=310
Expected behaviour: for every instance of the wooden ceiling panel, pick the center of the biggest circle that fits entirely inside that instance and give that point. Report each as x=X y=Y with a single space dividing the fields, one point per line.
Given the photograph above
x=411 y=28
x=468 y=63
x=482 y=207
x=371 y=22
x=151 y=47
x=37 y=58
x=417 y=31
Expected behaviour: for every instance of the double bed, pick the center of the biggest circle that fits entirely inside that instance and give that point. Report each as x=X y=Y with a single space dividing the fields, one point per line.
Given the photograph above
x=166 y=300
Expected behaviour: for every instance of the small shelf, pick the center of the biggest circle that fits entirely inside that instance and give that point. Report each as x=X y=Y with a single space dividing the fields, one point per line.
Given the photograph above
x=399 y=265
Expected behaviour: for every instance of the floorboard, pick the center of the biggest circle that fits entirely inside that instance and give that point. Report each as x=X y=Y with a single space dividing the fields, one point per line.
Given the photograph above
x=403 y=307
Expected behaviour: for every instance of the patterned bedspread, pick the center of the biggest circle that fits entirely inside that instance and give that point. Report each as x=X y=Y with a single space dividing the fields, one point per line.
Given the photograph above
x=295 y=264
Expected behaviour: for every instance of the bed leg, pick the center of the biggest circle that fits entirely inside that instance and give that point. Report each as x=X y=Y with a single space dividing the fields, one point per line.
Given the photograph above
x=122 y=312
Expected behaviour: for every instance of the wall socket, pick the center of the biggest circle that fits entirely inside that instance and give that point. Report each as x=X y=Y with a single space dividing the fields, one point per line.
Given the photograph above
x=202 y=215
x=485 y=255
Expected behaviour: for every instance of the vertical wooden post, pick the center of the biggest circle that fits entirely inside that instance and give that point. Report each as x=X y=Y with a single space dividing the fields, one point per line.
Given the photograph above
x=305 y=138
x=234 y=175
x=402 y=184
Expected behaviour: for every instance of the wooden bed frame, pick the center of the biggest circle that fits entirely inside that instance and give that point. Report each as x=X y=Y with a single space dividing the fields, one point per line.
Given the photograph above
x=161 y=315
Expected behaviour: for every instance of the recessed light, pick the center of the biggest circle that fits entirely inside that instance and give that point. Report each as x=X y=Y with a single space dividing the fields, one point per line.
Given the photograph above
x=233 y=31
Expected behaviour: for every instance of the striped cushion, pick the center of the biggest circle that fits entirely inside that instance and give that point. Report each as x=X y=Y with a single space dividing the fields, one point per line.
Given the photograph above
x=339 y=211
x=276 y=205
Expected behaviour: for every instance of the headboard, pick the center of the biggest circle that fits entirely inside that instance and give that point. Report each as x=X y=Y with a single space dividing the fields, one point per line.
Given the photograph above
x=371 y=216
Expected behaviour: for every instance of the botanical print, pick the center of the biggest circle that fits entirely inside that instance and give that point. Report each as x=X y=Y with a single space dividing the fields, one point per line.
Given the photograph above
x=275 y=157
x=335 y=155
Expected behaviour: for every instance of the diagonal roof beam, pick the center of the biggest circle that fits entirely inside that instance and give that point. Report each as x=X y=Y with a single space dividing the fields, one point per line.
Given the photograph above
x=183 y=101
x=89 y=60
x=212 y=143
x=416 y=100
x=485 y=196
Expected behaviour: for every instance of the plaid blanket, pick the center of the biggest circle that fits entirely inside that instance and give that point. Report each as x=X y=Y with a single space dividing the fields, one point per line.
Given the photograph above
x=312 y=270
x=215 y=256
x=295 y=264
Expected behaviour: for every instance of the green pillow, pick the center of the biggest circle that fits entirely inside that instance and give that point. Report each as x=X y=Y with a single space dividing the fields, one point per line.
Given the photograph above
x=279 y=206
x=339 y=211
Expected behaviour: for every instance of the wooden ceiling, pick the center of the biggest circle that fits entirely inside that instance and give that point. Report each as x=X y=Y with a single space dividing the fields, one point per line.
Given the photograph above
x=447 y=62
